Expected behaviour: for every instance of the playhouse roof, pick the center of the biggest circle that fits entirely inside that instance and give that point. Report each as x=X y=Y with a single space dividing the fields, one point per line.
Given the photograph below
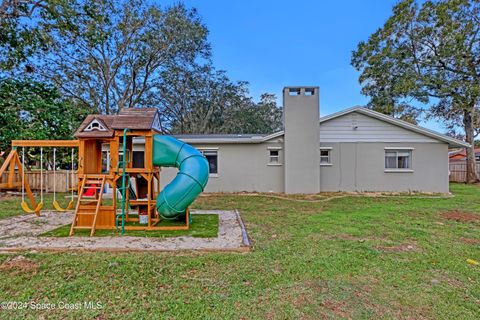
x=136 y=119
x=105 y=121
x=104 y=126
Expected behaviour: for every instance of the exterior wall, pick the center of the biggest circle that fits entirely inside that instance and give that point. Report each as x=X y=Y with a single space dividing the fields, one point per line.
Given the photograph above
x=241 y=167
x=358 y=159
x=302 y=157
x=361 y=167
x=356 y=127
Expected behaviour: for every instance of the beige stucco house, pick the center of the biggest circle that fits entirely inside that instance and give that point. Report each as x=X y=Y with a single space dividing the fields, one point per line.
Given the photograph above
x=356 y=149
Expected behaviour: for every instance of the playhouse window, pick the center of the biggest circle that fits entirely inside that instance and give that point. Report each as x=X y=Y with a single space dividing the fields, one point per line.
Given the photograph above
x=212 y=158
x=138 y=159
x=95 y=125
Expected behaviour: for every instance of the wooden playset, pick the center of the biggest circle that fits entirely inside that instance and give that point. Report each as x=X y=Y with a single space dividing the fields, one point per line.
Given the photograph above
x=136 y=178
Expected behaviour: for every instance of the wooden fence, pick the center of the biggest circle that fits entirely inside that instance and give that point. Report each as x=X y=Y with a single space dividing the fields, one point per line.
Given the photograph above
x=458 y=171
x=34 y=180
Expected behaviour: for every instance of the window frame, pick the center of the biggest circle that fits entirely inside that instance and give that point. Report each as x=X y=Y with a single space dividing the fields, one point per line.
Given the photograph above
x=329 y=162
x=398 y=150
x=202 y=151
x=279 y=159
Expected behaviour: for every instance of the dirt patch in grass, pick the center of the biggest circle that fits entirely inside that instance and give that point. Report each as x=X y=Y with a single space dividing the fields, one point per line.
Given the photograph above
x=18 y=265
x=470 y=240
x=7 y=196
x=440 y=276
x=349 y=237
x=346 y=236
x=461 y=216
x=406 y=247
x=338 y=308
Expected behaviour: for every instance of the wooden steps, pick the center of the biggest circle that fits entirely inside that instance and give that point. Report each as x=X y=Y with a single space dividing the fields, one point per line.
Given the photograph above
x=97 y=183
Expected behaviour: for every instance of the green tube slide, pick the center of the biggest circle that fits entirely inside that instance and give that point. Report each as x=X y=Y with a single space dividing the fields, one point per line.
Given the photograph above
x=191 y=178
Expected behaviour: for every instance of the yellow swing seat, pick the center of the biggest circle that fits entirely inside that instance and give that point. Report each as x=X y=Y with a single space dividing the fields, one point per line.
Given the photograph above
x=57 y=206
x=27 y=209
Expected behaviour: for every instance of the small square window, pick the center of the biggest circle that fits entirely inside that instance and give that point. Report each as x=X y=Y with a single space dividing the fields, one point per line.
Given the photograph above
x=325 y=156
x=212 y=158
x=274 y=157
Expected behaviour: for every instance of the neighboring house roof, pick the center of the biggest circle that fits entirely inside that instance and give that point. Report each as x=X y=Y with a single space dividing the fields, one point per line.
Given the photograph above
x=461 y=154
x=259 y=138
x=131 y=118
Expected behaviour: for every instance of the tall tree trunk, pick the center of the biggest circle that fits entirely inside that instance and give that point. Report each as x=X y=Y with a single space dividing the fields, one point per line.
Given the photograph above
x=470 y=138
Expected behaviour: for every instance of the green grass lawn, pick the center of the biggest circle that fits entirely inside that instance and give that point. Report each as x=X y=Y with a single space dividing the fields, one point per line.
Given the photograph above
x=203 y=226
x=10 y=205
x=352 y=257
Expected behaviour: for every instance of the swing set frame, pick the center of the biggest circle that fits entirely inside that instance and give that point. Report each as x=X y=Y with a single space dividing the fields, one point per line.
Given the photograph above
x=13 y=161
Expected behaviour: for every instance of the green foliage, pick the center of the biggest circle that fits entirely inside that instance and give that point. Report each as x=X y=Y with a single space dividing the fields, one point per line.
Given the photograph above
x=262 y=117
x=131 y=53
x=108 y=54
x=34 y=111
x=203 y=100
x=426 y=54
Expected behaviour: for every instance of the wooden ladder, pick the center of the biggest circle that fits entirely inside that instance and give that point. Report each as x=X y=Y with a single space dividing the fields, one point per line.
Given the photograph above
x=96 y=182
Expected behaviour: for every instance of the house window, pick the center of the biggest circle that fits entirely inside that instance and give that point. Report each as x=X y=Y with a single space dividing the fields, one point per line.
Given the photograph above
x=274 y=157
x=398 y=159
x=325 y=157
x=212 y=158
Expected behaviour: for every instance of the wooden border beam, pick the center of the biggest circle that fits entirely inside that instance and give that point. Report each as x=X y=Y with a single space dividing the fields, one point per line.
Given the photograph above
x=45 y=143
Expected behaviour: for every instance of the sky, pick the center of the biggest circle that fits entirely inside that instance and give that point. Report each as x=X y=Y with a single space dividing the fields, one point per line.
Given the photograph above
x=276 y=43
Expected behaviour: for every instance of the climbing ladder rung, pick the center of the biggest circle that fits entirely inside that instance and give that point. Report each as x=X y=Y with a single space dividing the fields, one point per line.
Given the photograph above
x=98 y=182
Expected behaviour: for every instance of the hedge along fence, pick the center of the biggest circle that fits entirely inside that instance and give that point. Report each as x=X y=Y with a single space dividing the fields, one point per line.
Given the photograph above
x=458 y=171
x=34 y=179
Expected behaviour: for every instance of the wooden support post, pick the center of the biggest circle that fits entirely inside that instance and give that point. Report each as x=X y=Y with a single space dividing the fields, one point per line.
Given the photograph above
x=149 y=195
x=8 y=161
x=114 y=154
x=81 y=161
x=11 y=173
x=148 y=152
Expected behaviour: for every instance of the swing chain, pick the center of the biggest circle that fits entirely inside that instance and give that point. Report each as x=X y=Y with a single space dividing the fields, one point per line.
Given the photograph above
x=23 y=174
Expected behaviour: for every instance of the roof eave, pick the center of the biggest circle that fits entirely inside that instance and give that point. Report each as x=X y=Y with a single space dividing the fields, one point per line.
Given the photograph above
x=213 y=141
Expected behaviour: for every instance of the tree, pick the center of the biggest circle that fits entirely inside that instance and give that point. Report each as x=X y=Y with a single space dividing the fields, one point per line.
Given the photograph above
x=34 y=111
x=263 y=117
x=119 y=54
x=19 y=38
x=427 y=54
x=106 y=54
x=204 y=100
